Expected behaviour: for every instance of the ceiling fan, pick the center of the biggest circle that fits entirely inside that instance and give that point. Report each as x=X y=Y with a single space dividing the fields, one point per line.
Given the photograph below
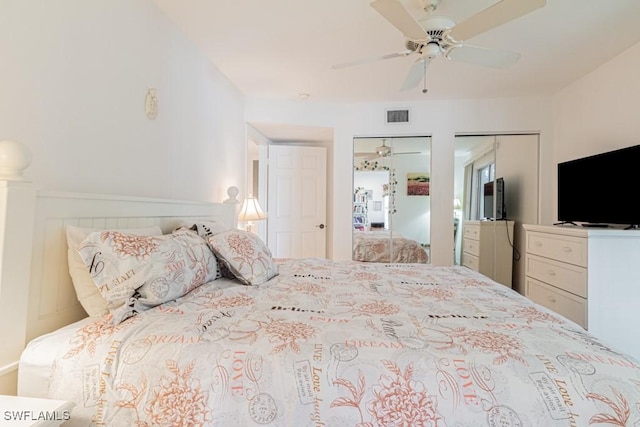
x=381 y=151
x=439 y=36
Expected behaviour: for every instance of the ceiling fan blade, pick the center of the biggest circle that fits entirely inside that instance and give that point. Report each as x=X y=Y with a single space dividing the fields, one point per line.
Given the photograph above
x=370 y=60
x=416 y=74
x=394 y=12
x=482 y=56
x=365 y=156
x=493 y=16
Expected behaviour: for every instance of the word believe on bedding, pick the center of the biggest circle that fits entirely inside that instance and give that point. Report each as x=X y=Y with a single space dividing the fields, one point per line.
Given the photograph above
x=301 y=310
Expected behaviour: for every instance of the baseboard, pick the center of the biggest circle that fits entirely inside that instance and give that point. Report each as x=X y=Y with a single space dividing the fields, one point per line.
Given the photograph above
x=9 y=379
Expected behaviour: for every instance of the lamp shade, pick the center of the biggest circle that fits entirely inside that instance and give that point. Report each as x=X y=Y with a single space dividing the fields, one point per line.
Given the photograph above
x=251 y=210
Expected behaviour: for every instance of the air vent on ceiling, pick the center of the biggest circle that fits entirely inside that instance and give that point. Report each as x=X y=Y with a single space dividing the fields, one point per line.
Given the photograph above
x=397 y=116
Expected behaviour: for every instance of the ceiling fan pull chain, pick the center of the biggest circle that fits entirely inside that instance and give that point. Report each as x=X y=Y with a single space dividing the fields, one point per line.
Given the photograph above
x=424 y=80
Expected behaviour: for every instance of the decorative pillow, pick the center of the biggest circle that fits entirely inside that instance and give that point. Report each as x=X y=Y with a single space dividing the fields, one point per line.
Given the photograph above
x=135 y=273
x=244 y=255
x=206 y=229
x=203 y=229
x=88 y=294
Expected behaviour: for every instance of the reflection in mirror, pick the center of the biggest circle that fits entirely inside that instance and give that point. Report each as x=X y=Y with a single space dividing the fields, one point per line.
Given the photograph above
x=391 y=210
x=496 y=182
x=473 y=168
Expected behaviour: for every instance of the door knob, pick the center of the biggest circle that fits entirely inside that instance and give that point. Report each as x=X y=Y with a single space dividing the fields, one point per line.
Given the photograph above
x=321 y=226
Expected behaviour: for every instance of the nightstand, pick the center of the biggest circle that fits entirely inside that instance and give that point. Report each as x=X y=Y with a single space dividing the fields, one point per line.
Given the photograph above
x=31 y=411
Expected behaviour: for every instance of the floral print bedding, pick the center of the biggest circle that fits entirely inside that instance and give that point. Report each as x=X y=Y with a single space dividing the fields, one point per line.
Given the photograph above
x=374 y=247
x=347 y=344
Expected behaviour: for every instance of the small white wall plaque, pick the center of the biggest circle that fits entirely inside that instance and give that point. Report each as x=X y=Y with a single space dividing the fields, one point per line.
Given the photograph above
x=151 y=104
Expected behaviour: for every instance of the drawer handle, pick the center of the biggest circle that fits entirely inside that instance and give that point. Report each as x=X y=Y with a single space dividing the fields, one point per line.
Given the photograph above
x=566 y=248
x=551 y=299
x=551 y=273
x=538 y=244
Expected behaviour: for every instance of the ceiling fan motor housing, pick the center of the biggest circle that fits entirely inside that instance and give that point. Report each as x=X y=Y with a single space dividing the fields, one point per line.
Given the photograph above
x=413 y=46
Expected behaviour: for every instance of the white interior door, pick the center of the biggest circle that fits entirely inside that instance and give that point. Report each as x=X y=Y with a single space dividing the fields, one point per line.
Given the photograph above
x=297 y=191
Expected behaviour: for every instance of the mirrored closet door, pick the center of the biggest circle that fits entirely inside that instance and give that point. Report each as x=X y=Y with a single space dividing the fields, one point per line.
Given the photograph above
x=495 y=192
x=391 y=203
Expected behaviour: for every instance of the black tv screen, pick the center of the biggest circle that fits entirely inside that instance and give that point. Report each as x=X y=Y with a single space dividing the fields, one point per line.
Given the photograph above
x=489 y=187
x=487 y=194
x=600 y=189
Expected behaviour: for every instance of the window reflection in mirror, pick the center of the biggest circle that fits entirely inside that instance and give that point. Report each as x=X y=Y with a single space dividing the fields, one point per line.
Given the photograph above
x=473 y=168
x=486 y=175
x=391 y=202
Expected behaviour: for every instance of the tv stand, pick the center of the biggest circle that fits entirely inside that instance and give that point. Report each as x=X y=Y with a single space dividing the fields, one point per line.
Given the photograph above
x=633 y=227
x=589 y=275
x=594 y=225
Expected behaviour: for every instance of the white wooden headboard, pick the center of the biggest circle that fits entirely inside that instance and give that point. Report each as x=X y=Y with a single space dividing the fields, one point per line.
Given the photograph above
x=36 y=293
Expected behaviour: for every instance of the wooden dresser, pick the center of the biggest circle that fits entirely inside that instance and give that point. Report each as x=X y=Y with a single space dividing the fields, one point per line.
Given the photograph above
x=590 y=276
x=487 y=247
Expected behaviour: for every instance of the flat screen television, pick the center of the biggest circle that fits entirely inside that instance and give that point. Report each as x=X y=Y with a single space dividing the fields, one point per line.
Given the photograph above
x=600 y=190
x=501 y=210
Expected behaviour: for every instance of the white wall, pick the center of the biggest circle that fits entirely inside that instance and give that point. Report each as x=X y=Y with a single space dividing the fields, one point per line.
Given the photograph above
x=73 y=79
x=440 y=119
x=598 y=112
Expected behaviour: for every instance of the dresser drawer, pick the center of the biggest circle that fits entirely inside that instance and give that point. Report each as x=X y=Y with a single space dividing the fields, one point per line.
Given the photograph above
x=561 y=248
x=568 y=305
x=471 y=261
x=565 y=276
x=471 y=246
x=471 y=231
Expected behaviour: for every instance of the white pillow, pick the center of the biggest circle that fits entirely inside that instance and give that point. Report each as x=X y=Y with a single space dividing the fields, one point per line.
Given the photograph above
x=88 y=294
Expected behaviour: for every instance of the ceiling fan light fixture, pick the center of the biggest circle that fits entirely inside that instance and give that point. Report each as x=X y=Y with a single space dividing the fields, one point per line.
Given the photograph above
x=431 y=50
x=383 y=150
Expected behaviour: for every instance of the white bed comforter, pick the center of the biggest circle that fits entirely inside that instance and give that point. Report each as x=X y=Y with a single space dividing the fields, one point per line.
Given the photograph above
x=347 y=344
x=373 y=246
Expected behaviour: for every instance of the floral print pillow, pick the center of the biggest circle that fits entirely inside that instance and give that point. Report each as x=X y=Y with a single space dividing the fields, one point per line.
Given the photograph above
x=244 y=255
x=88 y=295
x=135 y=273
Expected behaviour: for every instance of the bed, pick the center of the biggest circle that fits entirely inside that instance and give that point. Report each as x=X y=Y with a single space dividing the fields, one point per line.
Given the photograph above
x=318 y=343
x=342 y=343
x=380 y=246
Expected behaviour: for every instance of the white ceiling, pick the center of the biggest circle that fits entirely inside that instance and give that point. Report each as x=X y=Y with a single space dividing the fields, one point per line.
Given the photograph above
x=284 y=48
